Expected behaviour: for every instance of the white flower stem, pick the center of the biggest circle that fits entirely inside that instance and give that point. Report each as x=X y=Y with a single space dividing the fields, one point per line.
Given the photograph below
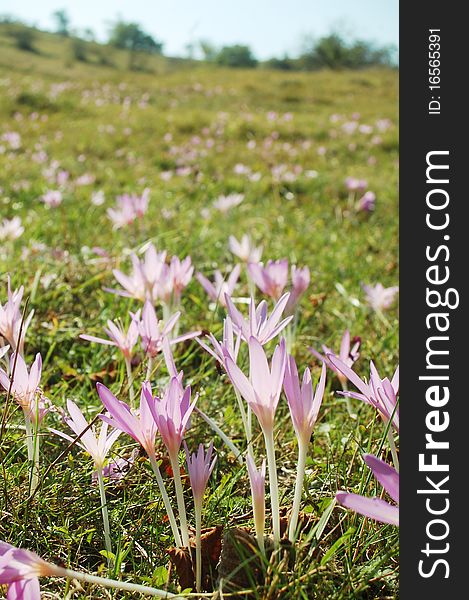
x=198 y=545
x=180 y=499
x=392 y=444
x=166 y=502
x=56 y=571
x=130 y=380
x=300 y=475
x=273 y=484
x=221 y=435
x=245 y=420
x=33 y=479
x=107 y=529
x=149 y=368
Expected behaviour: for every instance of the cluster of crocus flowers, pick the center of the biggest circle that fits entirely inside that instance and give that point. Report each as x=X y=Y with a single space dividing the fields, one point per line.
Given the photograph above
x=272 y=279
x=156 y=280
x=376 y=508
x=129 y=207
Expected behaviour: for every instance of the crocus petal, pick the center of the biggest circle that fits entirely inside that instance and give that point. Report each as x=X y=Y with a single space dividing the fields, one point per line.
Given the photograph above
x=98 y=340
x=240 y=380
x=387 y=476
x=351 y=375
x=24 y=589
x=375 y=508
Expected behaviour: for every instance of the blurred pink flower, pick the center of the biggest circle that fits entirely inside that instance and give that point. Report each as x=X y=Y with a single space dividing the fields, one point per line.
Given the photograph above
x=143 y=281
x=356 y=185
x=272 y=278
x=378 y=297
x=245 y=249
x=11 y=229
x=300 y=281
x=52 y=198
x=224 y=203
x=367 y=202
x=216 y=291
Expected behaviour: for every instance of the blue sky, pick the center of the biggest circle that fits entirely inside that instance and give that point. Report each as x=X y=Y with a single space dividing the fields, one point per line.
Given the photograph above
x=270 y=27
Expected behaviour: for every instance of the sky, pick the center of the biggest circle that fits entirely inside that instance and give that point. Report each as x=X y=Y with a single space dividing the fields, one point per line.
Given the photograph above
x=269 y=27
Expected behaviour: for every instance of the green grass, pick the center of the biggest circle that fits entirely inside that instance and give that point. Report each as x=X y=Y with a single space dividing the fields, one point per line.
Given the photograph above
x=51 y=102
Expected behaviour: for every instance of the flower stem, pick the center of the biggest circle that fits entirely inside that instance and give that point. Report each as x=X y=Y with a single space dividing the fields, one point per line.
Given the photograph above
x=31 y=453
x=273 y=484
x=198 y=545
x=300 y=475
x=56 y=571
x=149 y=368
x=130 y=380
x=392 y=444
x=166 y=502
x=180 y=499
x=107 y=529
x=246 y=421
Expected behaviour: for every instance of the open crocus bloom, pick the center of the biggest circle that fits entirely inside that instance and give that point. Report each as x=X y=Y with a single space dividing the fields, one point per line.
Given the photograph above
x=119 y=337
x=272 y=278
x=141 y=428
x=259 y=325
x=217 y=290
x=378 y=297
x=348 y=355
x=97 y=447
x=375 y=508
x=245 y=250
x=171 y=413
x=262 y=390
x=380 y=393
x=153 y=332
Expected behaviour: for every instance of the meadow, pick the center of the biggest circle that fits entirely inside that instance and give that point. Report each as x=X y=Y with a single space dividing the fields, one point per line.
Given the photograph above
x=217 y=153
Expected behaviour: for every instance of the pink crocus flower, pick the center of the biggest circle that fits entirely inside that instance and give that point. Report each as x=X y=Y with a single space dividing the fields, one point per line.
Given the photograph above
x=11 y=317
x=379 y=393
x=97 y=447
x=174 y=278
x=52 y=198
x=245 y=249
x=378 y=297
x=25 y=386
x=257 y=483
x=199 y=467
x=272 y=278
x=122 y=215
x=303 y=402
x=11 y=229
x=355 y=185
x=224 y=203
x=260 y=325
x=229 y=346
x=119 y=337
x=171 y=413
x=376 y=508
x=20 y=570
x=367 y=202
x=262 y=391
x=300 y=281
x=153 y=332
x=216 y=291
x=142 y=282
x=348 y=355
x=141 y=427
